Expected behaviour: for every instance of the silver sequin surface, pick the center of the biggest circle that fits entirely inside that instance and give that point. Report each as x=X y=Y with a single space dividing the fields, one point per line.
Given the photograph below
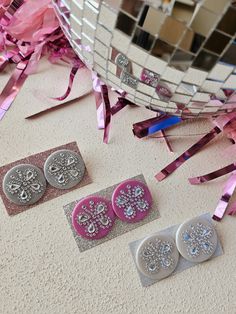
x=196 y=240
x=157 y=257
x=178 y=42
x=24 y=184
x=64 y=169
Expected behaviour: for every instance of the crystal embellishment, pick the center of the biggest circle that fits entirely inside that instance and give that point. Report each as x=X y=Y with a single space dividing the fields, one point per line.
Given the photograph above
x=129 y=80
x=150 y=78
x=157 y=256
x=131 y=201
x=122 y=61
x=197 y=238
x=93 y=217
x=24 y=184
x=64 y=169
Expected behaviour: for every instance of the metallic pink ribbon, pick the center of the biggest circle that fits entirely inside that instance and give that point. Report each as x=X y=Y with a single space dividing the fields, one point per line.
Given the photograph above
x=56 y=107
x=73 y=72
x=213 y=175
x=224 y=201
x=107 y=113
x=12 y=87
x=97 y=83
x=119 y=105
x=228 y=189
x=164 y=173
x=163 y=133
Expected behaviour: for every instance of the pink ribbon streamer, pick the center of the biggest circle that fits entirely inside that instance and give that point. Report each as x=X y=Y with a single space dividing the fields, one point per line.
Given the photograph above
x=56 y=107
x=97 y=83
x=73 y=72
x=163 y=133
x=120 y=104
x=107 y=113
x=12 y=88
x=213 y=175
x=164 y=173
x=224 y=201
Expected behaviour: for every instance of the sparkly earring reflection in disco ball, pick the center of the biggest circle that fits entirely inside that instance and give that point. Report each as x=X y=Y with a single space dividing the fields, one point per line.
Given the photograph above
x=178 y=57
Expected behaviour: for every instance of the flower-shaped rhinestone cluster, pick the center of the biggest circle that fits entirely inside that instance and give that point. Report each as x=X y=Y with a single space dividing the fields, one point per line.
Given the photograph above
x=65 y=168
x=132 y=200
x=197 y=239
x=25 y=183
x=94 y=217
x=157 y=255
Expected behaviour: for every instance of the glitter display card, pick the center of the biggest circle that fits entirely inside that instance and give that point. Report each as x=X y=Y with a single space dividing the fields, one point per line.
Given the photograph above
x=119 y=227
x=51 y=192
x=183 y=264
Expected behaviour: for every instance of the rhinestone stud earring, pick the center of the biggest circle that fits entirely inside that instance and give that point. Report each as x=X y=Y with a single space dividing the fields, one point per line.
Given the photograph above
x=131 y=201
x=196 y=240
x=24 y=184
x=157 y=257
x=64 y=169
x=93 y=217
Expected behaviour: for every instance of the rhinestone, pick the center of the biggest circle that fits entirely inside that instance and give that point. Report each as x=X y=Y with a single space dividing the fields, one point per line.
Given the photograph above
x=129 y=211
x=129 y=80
x=23 y=195
x=165 y=248
x=104 y=221
x=94 y=221
x=29 y=175
x=142 y=204
x=152 y=267
x=138 y=191
x=61 y=178
x=131 y=201
x=24 y=184
x=91 y=228
x=186 y=236
x=64 y=169
x=166 y=262
x=35 y=186
x=100 y=208
x=83 y=218
x=122 y=61
x=157 y=256
x=196 y=240
x=14 y=187
x=194 y=250
x=150 y=78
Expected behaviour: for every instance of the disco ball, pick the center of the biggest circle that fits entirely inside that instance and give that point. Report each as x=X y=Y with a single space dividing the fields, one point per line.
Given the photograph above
x=172 y=56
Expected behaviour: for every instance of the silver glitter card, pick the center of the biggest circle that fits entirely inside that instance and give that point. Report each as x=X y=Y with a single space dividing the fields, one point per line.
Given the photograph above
x=119 y=227
x=183 y=264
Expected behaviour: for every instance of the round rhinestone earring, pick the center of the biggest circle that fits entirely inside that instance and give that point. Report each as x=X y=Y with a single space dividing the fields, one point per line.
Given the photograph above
x=131 y=201
x=93 y=217
x=196 y=240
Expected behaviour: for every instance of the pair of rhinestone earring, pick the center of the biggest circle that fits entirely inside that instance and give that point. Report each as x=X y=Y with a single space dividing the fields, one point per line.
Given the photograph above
x=93 y=217
x=25 y=184
x=157 y=256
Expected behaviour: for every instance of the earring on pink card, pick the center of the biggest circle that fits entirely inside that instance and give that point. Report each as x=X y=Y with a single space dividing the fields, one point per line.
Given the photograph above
x=93 y=217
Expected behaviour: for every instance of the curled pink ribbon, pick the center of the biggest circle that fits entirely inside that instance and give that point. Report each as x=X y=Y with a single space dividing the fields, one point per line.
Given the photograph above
x=225 y=198
x=164 y=173
x=213 y=175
